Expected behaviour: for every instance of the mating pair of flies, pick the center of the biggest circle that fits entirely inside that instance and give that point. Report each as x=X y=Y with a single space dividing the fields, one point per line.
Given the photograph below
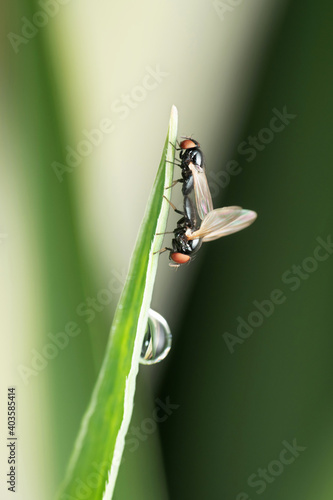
x=191 y=233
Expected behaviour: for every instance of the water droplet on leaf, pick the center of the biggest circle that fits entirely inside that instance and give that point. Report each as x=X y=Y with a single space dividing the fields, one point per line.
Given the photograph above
x=157 y=340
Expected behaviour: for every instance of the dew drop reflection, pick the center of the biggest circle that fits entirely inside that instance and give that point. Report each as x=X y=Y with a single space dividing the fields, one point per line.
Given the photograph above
x=157 y=340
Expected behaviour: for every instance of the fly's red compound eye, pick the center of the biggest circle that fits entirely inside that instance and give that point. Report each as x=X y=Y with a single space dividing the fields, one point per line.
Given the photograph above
x=188 y=144
x=179 y=258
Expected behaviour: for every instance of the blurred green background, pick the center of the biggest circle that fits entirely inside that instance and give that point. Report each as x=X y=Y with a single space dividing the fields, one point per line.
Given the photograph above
x=68 y=223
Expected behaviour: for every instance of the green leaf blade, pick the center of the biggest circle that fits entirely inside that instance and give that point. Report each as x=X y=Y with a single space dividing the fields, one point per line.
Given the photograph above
x=98 y=449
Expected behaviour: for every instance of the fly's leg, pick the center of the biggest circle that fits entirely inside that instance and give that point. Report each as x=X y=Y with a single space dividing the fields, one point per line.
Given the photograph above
x=179 y=164
x=174 y=183
x=173 y=206
x=174 y=145
x=165 y=249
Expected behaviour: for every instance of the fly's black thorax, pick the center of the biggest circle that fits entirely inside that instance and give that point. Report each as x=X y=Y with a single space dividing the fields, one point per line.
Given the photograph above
x=193 y=155
x=181 y=244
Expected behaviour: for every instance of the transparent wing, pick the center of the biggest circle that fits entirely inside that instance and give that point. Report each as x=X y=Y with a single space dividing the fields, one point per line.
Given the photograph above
x=203 y=197
x=223 y=221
